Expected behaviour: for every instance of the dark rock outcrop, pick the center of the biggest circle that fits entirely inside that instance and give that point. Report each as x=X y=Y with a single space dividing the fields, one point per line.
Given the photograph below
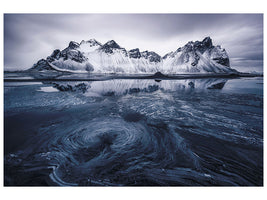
x=151 y=55
x=134 y=53
x=73 y=45
x=41 y=65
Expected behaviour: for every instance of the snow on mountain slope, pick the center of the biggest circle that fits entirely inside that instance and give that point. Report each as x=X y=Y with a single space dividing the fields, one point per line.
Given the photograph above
x=197 y=57
x=89 y=46
x=91 y=56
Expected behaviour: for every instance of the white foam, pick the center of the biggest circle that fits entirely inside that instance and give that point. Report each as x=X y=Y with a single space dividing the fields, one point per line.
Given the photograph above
x=47 y=89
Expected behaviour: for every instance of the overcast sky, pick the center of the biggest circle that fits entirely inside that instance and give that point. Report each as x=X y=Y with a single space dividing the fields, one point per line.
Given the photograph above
x=30 y=37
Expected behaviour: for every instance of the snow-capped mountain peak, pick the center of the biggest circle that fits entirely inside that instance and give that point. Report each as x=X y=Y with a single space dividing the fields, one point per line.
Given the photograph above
x=112 y=44
x=207 y=42
x=198 y=56
x=73 y=45
x=91 y=42
x=91 y=56
x=89 y=46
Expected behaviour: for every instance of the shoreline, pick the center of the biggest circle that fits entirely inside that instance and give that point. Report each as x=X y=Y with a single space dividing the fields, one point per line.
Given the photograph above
x=35 y=77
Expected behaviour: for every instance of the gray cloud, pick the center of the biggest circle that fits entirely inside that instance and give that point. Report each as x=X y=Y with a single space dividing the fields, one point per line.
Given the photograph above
x=29 y=37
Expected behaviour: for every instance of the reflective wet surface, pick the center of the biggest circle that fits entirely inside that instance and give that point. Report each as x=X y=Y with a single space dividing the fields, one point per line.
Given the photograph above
x=134 y=132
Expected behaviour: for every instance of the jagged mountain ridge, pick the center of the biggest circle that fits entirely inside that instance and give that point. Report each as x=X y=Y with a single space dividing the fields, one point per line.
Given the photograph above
x=91 y=56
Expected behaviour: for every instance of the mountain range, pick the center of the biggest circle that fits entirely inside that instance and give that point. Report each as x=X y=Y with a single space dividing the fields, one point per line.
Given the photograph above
x=93 y=57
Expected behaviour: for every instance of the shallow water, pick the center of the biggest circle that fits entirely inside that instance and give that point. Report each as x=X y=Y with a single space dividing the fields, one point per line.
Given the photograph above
x=134 y=132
